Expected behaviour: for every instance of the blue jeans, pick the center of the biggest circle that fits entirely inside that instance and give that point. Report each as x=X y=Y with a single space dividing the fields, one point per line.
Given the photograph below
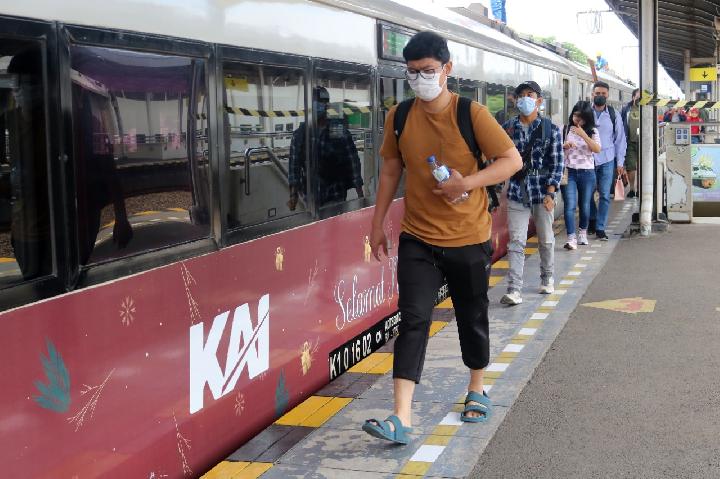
x=604 y=177
x=578 y=191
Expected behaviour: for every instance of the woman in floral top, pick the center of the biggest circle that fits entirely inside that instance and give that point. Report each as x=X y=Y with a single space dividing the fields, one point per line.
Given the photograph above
x=581 y=141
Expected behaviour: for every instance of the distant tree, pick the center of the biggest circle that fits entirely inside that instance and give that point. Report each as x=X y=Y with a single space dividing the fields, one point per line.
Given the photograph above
x=576 y=54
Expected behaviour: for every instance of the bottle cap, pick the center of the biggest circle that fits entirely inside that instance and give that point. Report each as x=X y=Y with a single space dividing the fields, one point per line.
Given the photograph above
x=431 y=159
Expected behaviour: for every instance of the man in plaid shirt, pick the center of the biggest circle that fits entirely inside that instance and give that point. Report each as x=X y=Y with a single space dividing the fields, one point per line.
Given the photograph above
x=532 y=190
x=338 y=161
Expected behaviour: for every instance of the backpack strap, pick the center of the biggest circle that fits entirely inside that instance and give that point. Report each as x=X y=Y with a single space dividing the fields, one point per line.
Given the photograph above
x=401 y=113
x=465 y=125
x=611 y=112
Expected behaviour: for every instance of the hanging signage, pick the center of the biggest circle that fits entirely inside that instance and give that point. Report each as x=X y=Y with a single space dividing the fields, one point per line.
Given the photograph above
x=392 y=41
x=703 y=74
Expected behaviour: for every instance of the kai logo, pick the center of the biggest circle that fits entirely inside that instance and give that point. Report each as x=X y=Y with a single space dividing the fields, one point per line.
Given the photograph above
x=248 y=347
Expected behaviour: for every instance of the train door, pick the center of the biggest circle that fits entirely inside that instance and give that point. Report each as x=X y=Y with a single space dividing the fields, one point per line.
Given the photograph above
x=566 y=98
x=393 y=89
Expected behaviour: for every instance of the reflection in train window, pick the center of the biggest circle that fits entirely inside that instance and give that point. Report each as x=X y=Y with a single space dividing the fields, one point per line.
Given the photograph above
x=468 y=91
x=264 y=137
x=393 y=91
x=25 y=240
x=496 y=101
x=141 y=146
x=342 y=137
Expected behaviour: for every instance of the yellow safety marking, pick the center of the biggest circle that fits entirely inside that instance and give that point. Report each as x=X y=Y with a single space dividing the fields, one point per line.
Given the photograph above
x=459 y=407
x=501 y=264
x=663 y=102
x=680 y=104
x=369 y=362
x=532 y=240
x=254 y=470
x=7 y=260
x=545 y=309
x=436 y=327
x=112 y=223
x=384 y=367
x=506 y=355
x=502 y=359
x=322 y=415
x=302 y=411
x=533 y=323
x=530 y=251
x=415 y=468
x=225 y=470
x=570 y=278
x=271 y=114
x=179 y=210
x=146 y=213
x=445 y=430
x=447 y=304
x=700 y=104
x=495 y=280
x=492 y=374
x=626 y=305
x=555 y=297
x=437 y=440
x=519 y=339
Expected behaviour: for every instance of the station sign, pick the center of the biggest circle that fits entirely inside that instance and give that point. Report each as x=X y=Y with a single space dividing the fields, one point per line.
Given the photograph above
x=703 y=74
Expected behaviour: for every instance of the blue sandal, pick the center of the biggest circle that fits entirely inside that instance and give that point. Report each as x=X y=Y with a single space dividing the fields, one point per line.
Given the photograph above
x=483 y=407
x=382 y=430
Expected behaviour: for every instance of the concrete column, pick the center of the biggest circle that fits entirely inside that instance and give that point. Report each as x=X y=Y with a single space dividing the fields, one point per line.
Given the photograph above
x=648 y=119
x=688 y=90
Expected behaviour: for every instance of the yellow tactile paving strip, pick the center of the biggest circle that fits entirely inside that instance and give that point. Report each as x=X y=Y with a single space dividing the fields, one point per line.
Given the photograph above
x=237 y=470
x=314 y=411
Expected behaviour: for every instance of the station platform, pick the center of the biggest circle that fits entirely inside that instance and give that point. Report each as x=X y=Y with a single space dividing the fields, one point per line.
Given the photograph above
x=575 y=401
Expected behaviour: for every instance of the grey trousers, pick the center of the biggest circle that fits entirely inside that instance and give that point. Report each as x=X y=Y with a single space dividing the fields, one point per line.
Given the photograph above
x=518 y=218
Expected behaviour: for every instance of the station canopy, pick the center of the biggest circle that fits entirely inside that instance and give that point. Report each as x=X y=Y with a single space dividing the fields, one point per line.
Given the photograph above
x=682 y=24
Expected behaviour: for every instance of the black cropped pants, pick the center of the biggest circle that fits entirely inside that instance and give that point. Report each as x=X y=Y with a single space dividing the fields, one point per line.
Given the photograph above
x=421 y=271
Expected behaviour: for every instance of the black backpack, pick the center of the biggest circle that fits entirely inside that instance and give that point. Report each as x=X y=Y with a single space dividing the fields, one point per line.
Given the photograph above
x=464 y=120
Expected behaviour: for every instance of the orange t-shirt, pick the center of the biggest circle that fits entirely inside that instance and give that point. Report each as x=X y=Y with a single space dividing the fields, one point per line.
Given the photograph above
x=428 y=216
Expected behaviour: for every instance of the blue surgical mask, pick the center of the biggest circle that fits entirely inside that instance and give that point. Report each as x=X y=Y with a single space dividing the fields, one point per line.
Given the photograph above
x=526 y=105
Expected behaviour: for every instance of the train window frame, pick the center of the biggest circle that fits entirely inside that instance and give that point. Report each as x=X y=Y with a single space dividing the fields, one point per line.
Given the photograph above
x=392 y=71
x=80 y=276
x=332 y=66
x=240 y=55
x=52 y=284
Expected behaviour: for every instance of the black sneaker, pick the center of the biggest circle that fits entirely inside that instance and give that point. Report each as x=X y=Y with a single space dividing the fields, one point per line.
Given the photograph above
x=631 y=194
x=601 y=235
x=591 y=227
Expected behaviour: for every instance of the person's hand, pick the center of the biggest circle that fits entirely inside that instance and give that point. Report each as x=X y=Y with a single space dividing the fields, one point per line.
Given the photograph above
x=568 y=144
x=452 y=188
x=578 y=131
x=378 y=240
x=620 y=170
x=549 y=203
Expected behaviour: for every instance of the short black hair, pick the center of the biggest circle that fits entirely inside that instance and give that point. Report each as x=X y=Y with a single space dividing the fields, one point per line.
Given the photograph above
x=427 y=45
x=635 y=91
x=601 y=84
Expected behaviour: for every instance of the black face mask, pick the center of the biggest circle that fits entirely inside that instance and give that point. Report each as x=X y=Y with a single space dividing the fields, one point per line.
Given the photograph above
x=599 y=100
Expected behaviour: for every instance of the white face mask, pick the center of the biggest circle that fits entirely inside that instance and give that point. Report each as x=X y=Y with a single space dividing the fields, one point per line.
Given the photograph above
x=427 y=90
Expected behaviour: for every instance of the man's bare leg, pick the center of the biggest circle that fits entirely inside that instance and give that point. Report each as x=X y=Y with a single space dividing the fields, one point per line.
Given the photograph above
x=476 y=384
x=404 y=389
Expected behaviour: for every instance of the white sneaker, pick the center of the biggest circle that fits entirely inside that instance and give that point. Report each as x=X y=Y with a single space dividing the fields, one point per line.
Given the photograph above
x=582 y=237
x=512 y=298
x=548 y=288
x=571 y=243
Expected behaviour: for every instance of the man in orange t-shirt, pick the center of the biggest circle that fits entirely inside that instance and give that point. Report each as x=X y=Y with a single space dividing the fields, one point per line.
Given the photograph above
x=441 y=237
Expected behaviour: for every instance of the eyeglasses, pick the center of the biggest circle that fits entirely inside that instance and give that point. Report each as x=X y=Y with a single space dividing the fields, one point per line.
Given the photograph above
x=427 y=74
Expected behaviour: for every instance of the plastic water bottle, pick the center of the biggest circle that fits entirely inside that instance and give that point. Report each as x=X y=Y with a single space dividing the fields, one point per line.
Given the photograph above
x=441 y=173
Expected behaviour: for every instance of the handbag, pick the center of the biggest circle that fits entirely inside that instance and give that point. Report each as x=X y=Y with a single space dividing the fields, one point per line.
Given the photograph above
x=619 y=190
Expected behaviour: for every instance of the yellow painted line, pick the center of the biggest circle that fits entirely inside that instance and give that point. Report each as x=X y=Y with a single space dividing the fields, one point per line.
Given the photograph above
x=519 y=339
x=179 y=210
x=504 y=264
x=146 y=213
x=503 y=359
x=7 y=260
x=446 y=430
x=369 y=362
x=529 y=251
x=437 y=440
x=493 y=374
x=436 y=327
x=532 y=240
x=322 y=415
x=533 y=323
x=302 y=411
x=384 y=366
x=509 y=356
x=415 y=469
x=254 y=470
x=447 y=304
x=225 y=470
x=544 y=309
x=495 y=280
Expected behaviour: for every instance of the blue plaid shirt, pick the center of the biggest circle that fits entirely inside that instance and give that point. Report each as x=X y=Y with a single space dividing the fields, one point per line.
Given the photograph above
x=546 y=156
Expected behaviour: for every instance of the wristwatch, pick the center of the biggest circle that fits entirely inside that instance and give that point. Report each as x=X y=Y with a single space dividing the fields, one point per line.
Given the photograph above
x=551 y=194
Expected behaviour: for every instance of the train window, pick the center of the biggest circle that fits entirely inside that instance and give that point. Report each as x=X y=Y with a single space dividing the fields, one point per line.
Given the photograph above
x=141 y=151
x=342 y=137
x=393 y=91
x=265 y=135
x=468 y=91
x=25 y=238
x=496 y=101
